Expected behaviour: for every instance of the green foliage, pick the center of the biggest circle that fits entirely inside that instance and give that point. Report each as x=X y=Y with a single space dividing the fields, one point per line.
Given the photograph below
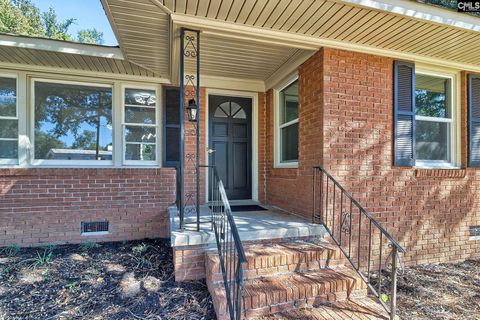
x=12 y=250
x=92 y=36
x=86 y=141
x=44 y=142
x=89 y=245
x=42 y=258
x=24 y=18
x=140 y=249
x=449 y=4
x=384 y=297
x=55 y=29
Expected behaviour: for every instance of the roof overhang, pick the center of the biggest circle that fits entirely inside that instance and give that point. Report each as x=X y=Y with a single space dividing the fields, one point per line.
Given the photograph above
x=256 y=33
x=8 y=40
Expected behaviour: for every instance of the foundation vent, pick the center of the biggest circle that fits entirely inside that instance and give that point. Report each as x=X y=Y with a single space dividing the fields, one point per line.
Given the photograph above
x=96 y=227
x=475 y=232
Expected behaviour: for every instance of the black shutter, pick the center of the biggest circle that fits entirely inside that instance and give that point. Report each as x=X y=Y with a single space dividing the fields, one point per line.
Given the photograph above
x=474 y=121
x=171 y=127
x=404 y=114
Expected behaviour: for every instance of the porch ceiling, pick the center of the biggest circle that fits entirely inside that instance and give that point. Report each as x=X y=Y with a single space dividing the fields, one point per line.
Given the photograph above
x=253 y=39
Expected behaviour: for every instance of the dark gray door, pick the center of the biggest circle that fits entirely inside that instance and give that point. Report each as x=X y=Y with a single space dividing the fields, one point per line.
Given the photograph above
x=230 y=125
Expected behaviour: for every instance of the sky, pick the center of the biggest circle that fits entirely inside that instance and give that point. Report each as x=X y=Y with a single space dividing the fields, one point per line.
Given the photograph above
x=89 y=14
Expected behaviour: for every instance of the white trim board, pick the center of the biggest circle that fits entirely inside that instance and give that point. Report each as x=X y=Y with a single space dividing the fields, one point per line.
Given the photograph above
x=243 y=94
x=60 y=46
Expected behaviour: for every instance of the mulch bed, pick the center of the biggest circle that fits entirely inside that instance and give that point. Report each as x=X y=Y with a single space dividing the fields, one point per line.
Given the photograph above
x=440 y=291
x=132 y=280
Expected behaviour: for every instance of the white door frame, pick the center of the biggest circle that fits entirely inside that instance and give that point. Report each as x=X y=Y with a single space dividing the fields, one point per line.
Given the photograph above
x=241 y=94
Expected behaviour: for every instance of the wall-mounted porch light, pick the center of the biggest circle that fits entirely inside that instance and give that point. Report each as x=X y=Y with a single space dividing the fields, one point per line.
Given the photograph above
x=192 y=110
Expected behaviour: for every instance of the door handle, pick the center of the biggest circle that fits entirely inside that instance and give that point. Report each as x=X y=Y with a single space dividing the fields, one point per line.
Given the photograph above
x=210 y=150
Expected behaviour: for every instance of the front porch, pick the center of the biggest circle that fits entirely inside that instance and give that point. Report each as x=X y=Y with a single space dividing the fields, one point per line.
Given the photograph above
x=269 y=224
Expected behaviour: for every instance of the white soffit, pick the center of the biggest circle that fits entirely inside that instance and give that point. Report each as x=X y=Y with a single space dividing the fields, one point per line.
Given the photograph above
x=142 y=29
x=242 y=59
x=340 y=22
x=57 y=61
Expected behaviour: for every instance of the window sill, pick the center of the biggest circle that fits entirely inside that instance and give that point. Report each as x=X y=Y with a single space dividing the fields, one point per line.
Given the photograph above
x=286 y=165
x=450 y=172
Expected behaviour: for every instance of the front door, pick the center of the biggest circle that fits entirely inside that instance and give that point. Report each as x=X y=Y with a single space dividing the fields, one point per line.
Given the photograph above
x=230 y=143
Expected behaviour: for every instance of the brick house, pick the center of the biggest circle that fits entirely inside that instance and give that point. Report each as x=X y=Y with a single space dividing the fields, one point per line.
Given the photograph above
x=383 y=95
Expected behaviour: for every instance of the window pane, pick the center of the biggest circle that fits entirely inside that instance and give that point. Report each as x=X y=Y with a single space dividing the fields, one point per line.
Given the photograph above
x=289 y=137
x=172 y=139
x=432 y=96
x=140 y=97
x=139 y=115
x=8 y=107
x=8 y=129
x=8 y=149
x=172 y=106
x=140 y=151
x=432 y=140
x=140 y=134
x=8 y=87
x=289 y=103
x=73 y=122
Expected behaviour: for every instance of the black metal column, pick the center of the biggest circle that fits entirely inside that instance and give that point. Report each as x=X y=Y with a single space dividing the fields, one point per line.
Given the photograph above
x=190 y=89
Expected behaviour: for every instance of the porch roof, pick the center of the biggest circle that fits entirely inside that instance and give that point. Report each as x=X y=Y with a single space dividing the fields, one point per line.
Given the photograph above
x=253 y=40
x=41 y=54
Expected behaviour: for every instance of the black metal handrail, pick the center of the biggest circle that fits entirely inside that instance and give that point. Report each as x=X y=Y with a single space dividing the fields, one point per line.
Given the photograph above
x=230 y=249
x=363 y=242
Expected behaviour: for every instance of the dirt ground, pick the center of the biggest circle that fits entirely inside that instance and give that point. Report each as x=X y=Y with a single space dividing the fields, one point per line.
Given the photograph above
x=131 y=280
x=134 y=280
x=440 y=291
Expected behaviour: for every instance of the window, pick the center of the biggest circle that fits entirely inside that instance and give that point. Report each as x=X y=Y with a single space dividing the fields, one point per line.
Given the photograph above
x=140 y=126
x=72 y=122
x=172 y=127
x=8 y=120
x=287 y=117
x=434 y=120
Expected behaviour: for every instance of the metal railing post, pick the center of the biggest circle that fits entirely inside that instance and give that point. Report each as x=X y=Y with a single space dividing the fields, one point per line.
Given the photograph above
x=393 y=290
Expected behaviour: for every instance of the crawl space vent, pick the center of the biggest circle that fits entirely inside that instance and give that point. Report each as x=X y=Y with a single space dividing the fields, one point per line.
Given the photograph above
x=95 y=227
x=475 y=231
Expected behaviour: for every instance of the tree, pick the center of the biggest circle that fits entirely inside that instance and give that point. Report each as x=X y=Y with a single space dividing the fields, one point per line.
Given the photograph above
x=55 y=29
x=92 y=36
x=24 y=18
x=85 y=141
x=44 y=142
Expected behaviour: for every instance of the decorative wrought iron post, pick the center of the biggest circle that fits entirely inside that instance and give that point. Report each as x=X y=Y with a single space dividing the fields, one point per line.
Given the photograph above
x=190 y=92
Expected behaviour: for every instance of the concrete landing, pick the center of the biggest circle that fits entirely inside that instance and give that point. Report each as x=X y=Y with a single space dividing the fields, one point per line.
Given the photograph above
x=252 y=225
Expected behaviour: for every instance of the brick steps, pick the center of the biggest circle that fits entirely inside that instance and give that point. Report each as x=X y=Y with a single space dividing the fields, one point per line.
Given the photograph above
x=281 y=258
x=357 y=309
x=287 y=276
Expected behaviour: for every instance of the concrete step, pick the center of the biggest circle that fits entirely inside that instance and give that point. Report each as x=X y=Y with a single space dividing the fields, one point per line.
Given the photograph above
x=279 y=293
x=281 y=258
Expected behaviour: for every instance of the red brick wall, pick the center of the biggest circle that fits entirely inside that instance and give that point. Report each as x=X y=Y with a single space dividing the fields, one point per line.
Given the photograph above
x=47 y=205
x=346 y=124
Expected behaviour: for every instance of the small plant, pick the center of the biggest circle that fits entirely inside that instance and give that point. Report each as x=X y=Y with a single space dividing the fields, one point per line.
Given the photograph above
x=384 y=297
x=12 y=250
x=4 y=272
x=72 y=286
x=88 y=246
x=42 y=258
x=140 y=249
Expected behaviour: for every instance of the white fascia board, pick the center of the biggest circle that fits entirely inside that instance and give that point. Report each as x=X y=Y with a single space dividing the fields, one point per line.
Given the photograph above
x=421 y=11
x=60 y=46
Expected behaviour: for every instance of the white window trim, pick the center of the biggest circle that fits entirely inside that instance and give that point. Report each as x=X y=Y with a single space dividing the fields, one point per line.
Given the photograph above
x=157 y=125
x=455 y=134
x=13 y=161
x=278 y=163
x=68 y=163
